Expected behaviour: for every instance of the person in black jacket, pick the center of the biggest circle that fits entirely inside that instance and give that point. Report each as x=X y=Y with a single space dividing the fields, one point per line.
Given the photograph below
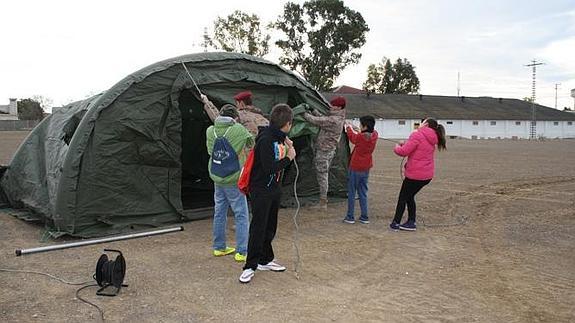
x=272 y=153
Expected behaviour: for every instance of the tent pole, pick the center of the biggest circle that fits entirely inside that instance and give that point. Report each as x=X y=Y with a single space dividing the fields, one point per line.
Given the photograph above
x=20 y=252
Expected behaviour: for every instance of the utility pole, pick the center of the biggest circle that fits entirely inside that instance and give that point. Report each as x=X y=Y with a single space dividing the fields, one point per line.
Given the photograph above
x=206 y=40
x=458 y=84
x=533 y=128
x=556 y=84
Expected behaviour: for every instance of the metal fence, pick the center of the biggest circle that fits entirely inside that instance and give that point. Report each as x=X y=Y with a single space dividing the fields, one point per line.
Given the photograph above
x=13 y=125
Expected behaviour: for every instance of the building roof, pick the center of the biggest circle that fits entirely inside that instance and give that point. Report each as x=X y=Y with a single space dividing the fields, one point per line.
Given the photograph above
x=406 y=106
x=344 y=89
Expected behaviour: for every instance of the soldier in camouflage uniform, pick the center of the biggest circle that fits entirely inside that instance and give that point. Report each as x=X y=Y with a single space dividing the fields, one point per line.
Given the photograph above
x=331 y=127
x=250 y=117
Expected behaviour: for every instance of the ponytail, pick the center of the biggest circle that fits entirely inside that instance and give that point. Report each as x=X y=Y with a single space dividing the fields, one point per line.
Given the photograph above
x=441 y=142
x=439 y=131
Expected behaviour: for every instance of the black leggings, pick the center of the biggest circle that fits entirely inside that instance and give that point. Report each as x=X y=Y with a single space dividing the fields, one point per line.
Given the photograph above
x=409 y=188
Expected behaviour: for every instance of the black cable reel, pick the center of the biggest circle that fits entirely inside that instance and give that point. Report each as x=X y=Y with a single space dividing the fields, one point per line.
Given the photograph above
x=110 y=274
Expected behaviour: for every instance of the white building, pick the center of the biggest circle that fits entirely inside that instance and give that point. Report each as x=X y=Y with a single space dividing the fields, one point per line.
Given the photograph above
x=10 y=111
x=397 y=115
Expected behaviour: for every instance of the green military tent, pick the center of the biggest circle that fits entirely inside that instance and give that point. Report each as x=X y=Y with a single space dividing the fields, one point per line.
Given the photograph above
x=134 y=156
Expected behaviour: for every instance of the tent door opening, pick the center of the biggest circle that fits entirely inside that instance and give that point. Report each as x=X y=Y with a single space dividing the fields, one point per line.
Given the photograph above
x=197 y=187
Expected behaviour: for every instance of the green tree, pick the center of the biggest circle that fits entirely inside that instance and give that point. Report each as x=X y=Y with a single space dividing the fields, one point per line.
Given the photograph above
x=240 y=32
x=374 y=77
x=399 y=78
x=403 y=80
x=30 y=109
x=45 y=102
x=321 y=39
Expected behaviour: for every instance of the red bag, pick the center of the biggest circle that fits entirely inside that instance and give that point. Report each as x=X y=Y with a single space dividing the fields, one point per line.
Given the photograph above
x=244 y=181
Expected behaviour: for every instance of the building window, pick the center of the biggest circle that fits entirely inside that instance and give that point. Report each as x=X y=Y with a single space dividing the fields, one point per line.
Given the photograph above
x=517 y=123
x=569 y=123
x=401 y=122
x=449 y=122
x=475 y=123
x=555 y=123
x=493 y=123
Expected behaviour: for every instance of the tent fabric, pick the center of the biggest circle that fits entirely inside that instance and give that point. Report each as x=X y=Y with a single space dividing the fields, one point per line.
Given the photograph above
x=134 y=156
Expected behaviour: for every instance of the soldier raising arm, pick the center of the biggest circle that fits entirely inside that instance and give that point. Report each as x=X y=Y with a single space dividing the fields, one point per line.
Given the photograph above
x=331 y=127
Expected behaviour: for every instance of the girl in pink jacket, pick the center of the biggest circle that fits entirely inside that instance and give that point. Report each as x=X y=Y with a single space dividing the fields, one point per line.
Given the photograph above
x=419 y=150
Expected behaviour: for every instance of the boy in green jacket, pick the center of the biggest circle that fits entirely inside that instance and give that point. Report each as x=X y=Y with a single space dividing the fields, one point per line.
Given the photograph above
x=226 y=191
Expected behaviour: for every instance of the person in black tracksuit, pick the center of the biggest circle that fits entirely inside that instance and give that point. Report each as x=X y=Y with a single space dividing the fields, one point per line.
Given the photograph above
x=272 y=153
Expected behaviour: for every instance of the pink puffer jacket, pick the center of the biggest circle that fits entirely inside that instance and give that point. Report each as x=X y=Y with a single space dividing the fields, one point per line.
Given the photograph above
x=419 y=150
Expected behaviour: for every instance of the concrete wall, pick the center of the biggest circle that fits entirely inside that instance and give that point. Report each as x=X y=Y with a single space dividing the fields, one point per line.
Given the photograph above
x=12 y=125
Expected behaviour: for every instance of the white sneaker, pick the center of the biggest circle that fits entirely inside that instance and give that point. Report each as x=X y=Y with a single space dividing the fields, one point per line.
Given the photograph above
x=247 y=275
x=272 y=266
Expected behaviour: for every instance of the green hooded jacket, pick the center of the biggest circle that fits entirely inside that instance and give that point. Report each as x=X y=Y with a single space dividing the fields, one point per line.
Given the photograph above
x=240 y=139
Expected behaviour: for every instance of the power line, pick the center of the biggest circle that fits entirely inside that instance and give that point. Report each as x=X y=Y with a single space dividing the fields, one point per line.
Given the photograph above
x=533 y=128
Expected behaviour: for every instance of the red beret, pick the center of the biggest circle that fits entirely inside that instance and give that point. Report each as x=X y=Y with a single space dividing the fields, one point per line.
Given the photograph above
x=243 y=95
x=338 y=101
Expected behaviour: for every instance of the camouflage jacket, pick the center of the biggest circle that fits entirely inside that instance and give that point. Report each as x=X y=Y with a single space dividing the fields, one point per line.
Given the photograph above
x=252 y=118
x=331 y=127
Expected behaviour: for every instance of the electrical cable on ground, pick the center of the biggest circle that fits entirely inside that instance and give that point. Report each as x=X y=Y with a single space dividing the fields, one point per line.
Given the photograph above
x=62 y=281
x=296 y=232
x=88 y=302
x=44 y=274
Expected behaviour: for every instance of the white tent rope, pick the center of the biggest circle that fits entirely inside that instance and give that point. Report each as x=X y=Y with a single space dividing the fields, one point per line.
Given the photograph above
x=190 y=75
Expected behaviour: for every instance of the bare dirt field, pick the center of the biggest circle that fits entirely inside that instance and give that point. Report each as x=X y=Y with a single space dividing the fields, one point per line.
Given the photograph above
x=512 y=259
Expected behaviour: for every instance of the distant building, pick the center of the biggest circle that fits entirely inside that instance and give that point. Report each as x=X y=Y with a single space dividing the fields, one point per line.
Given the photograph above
x=397 y=115
x=10 y=111
x=344 y=89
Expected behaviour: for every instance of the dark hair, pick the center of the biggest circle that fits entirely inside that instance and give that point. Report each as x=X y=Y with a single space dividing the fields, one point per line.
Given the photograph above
x=247 y=101
x=229 y=110
x=368 y=122
x=281 y=115
x=440 y=131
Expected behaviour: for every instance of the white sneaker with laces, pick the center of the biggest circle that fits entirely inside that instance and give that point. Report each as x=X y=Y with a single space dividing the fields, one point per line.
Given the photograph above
x=273 y=266
x=247 y=275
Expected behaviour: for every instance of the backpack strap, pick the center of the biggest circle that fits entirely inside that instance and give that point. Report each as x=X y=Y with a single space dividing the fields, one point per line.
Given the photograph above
x=225 y=133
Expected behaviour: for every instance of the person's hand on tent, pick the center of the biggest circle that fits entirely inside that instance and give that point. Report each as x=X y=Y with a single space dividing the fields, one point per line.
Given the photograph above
x=205 y=98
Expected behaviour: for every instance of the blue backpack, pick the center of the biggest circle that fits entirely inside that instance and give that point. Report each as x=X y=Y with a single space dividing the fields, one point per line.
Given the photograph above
x=225 y=160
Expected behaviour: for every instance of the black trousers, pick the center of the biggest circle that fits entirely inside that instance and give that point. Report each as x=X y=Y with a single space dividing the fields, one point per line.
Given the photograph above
x=262 y=228
x=409 y=188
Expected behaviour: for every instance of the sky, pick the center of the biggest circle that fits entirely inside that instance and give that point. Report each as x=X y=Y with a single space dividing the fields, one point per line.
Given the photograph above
x=67 y=50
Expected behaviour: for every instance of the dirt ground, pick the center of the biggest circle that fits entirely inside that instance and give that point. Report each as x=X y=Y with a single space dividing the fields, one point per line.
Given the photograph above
x=512 y=259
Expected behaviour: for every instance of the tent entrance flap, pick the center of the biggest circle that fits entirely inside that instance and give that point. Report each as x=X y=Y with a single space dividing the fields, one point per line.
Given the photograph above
x=197 y=187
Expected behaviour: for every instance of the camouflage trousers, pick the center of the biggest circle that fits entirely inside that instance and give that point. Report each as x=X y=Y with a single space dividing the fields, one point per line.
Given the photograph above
x=323 y=159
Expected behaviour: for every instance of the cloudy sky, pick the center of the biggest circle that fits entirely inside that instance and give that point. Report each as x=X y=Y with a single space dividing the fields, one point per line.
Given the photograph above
x=67 y=50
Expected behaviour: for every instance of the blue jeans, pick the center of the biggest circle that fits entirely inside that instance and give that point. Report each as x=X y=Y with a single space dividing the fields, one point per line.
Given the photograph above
x=224 y=197
x=357 y=182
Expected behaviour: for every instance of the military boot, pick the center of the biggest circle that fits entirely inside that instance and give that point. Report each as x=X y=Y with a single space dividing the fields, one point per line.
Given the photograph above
x=322 y=205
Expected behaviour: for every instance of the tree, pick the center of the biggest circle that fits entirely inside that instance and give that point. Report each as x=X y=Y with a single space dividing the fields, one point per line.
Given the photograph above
x=374 y=77
x=43 y=101
x=528 y=99
x=240 y=32
x=321 y=39
x=399 y=78
x=30 y=109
